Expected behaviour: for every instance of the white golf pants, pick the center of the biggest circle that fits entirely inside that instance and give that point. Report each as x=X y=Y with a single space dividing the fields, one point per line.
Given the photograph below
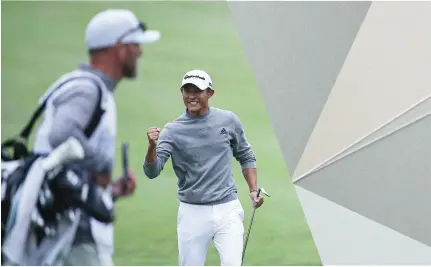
x=197 y=225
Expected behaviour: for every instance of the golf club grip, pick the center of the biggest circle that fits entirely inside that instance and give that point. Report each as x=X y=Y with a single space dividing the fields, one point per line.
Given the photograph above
x=258 y=192
x=125 y=157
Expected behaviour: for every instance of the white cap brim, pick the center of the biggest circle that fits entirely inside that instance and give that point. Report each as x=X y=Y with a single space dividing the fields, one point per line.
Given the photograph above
x=198 y=82
x=143 y=37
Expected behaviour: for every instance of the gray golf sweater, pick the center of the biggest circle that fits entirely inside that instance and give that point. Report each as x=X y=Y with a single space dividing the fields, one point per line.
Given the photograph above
x=202 y=149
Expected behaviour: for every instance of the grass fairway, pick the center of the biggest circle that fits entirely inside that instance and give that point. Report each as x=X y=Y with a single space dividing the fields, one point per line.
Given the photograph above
x=42 y=40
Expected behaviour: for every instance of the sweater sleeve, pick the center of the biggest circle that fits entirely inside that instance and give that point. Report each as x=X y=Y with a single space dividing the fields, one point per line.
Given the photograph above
x=242 y=149
x=163 y=152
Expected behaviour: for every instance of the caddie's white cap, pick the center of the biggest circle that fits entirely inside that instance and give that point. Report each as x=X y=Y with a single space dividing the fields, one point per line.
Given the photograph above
x=199 y=78
x=112 y=26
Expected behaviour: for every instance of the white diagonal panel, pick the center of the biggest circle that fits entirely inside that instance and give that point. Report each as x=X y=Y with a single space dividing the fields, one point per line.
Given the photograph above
x=344 y=237
x=386 y=72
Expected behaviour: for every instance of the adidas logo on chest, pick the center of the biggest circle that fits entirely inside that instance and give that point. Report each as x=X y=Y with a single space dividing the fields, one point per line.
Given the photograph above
x=223 y=131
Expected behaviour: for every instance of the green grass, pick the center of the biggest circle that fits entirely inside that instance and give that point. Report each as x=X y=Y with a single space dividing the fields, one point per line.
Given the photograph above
x=42 y=40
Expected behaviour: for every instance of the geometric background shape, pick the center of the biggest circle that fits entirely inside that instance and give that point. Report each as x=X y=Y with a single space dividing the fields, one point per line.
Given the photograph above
x=382 y=171
x=344 y=237
x=388 y=182
x=387 y=70
x=417 y=112
x=296 y=50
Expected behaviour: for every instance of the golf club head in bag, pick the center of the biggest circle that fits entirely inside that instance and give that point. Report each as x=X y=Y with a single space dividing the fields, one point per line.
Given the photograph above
x=56 y=221
x=57 y=195
x=14 y=172
x=13 y=175
x=23 y=195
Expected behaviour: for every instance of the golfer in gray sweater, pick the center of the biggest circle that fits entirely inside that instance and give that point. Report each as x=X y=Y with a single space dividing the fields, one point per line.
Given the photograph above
x=201 y=144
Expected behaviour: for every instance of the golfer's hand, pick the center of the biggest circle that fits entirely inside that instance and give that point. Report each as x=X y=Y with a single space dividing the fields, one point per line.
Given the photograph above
x=153 y=135
x=257 y=201
x=120 y=190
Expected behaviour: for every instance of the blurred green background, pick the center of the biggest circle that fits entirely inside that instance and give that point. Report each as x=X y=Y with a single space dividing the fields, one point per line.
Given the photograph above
x=42 y=40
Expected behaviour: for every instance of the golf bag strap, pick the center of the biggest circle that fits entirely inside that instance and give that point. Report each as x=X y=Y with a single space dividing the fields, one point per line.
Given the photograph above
x=97 y=114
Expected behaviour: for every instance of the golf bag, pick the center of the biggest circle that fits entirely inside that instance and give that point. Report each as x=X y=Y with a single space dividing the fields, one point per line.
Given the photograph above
x=41 y=208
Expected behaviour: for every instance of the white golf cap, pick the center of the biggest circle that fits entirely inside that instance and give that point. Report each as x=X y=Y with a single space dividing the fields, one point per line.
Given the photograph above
x=112 y=26
x=199 y=78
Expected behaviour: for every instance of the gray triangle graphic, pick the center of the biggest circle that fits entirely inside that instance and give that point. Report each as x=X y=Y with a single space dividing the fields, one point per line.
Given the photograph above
x=388 y=181
x=417 y=112
x=296 y=50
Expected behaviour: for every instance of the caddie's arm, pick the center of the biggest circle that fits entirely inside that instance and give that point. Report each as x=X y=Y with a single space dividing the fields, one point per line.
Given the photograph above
x=73 y=112
x=158 y=152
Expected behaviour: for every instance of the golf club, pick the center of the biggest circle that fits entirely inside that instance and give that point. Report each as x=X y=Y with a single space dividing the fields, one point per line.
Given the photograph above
x=261 y=190
x=66 y=152
x=125 y=158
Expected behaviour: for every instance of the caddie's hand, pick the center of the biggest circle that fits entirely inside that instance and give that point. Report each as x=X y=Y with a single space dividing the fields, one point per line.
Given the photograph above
x=257 y=201
x=153 y=135
x=120 y=189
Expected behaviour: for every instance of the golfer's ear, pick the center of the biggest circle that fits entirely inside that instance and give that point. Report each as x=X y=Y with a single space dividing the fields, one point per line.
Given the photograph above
x=211 y=92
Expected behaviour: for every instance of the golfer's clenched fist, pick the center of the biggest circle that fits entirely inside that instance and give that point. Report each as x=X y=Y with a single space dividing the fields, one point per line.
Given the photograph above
x=153 y=135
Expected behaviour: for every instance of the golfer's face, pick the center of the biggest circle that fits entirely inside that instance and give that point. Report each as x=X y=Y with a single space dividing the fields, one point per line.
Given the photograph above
x=194 y=98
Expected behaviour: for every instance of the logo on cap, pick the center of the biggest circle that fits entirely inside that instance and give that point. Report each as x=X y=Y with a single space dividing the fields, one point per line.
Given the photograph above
x=194 y=76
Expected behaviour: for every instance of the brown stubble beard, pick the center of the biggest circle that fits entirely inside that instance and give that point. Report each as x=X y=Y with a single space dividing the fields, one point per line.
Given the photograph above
x=129 y=68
